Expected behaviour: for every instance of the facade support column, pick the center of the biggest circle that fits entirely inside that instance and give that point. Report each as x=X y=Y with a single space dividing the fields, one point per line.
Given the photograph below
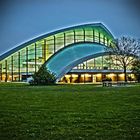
x=44 y=50
x=26 y=63
x=0 y=72
x=12 y=67
x=35 y=56
x=92 y=77
x=64 y=39
x=86 y=64
x=74 y=36
x=79 y=75
x=84 y=35
x=71 y=78
x=94 y=63
x=19 y=65
x=6 y=71
x=117 y=77
x=54 y=38
x=110 y=62
x=93 y=36
x=99 y=38
x=102 y=62
x=104 y=40
x=102 y=76
x=84 y=78
x=107 y=42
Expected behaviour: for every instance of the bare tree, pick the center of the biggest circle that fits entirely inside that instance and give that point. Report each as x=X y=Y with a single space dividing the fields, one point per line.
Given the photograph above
x=125 y=52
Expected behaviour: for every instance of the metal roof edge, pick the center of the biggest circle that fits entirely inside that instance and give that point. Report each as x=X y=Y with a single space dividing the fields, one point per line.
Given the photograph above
x=49 y=34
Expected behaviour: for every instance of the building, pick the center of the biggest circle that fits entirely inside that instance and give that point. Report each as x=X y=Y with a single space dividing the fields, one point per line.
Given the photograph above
x=75 y=54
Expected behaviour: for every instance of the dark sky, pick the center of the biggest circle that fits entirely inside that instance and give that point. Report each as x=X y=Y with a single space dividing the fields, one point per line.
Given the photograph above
x=21 y=20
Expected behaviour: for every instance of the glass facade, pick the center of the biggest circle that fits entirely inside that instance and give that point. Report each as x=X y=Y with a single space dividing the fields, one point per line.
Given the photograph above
x=24 y=61
x=94 y=77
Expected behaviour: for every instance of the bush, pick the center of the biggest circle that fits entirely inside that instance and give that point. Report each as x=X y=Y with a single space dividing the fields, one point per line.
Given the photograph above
x=43 y=77
x=136 y=69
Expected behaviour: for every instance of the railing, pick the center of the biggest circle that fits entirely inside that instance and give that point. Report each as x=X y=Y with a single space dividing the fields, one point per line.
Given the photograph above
x=107 y=83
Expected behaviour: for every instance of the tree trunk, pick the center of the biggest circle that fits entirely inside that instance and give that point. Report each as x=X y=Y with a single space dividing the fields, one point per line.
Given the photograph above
x=138 y=78
x=125 y=75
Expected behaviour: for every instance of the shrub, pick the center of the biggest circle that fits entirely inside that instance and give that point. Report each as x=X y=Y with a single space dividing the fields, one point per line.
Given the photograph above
x=43 y=77
x=136 y=69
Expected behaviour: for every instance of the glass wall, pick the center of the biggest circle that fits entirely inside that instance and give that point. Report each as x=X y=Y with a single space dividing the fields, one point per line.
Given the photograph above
x=23 y=63
x=102 y=62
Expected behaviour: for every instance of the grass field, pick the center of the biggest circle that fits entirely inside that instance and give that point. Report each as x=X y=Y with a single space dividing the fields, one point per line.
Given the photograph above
x=73 y=112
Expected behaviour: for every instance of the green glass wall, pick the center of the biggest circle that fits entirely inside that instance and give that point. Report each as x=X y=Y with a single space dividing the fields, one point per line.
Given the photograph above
x=21 y=64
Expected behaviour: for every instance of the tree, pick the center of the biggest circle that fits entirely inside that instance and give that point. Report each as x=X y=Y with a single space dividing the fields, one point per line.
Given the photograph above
x=43 y=77
x=125 y=52
x=136 y=68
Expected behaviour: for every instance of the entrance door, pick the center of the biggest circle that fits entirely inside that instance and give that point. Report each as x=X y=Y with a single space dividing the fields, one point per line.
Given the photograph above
x=94 y=79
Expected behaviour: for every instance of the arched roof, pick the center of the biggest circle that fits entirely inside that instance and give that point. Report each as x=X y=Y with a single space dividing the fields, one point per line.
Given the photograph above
x=53 y=33
x=70 y=56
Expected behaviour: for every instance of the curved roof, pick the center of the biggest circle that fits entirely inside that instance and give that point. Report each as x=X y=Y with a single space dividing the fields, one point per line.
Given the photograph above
x=53 y=33
x=65 y=59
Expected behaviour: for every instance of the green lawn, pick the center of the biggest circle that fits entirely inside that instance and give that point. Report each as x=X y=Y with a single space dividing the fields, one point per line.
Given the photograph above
x=72 y=112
